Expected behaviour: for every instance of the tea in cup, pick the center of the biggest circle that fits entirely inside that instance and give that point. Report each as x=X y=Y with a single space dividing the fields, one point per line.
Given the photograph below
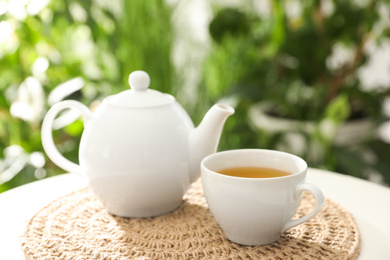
x=253 y=193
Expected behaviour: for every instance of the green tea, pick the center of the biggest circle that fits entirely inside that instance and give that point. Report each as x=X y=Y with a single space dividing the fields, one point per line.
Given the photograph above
x=253 y=172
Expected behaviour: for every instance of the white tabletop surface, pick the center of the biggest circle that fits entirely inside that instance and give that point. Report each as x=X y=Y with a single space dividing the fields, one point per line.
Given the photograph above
x=368 y=202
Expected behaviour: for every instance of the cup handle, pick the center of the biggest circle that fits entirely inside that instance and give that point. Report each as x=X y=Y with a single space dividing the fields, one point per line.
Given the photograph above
x=47 y=135
x=319 y=198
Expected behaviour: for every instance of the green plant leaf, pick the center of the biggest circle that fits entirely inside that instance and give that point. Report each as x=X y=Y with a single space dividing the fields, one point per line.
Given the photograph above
x=278 y=25
x=338 y=110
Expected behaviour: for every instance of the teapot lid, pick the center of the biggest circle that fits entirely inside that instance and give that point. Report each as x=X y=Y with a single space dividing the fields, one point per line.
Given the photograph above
x=139 y=95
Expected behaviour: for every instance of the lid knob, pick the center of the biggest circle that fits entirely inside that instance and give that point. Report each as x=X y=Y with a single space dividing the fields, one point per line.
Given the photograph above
x=139 y=80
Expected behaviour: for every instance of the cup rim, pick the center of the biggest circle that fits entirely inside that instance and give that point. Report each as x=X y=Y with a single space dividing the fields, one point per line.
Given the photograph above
x=302 y=164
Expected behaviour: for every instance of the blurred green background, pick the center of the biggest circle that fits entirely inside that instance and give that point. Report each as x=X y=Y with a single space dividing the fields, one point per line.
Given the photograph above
x=300 y=61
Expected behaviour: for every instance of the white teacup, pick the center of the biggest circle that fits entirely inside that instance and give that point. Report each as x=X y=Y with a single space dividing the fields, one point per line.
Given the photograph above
x=256 y=211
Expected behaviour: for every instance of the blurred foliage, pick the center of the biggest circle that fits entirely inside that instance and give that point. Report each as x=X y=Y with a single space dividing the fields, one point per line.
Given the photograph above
x=301 y=59
x=84 y=50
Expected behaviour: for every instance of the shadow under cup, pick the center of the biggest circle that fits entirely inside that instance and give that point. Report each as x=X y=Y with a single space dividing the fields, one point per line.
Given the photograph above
x=256 y=211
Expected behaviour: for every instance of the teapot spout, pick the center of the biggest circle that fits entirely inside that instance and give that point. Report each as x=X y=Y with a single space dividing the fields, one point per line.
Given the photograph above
x=205 y=138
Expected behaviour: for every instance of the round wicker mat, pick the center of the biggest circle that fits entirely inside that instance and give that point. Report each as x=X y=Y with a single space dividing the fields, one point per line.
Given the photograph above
x=77 y=227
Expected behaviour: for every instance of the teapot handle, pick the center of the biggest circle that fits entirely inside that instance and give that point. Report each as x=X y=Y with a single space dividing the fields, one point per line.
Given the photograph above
x=47 y=135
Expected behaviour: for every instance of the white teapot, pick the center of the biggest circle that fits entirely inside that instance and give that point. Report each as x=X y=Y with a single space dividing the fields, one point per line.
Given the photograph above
x=139 y=150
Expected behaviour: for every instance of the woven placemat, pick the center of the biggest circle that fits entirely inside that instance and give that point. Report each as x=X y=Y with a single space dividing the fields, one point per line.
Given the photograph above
x=77 y=227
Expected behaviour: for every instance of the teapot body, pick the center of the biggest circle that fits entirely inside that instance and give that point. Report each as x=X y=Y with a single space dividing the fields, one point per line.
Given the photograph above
x=139 y=150
x=138 y=167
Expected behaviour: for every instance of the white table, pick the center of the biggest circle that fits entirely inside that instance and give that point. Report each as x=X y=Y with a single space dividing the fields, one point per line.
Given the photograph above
x=368 y=202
